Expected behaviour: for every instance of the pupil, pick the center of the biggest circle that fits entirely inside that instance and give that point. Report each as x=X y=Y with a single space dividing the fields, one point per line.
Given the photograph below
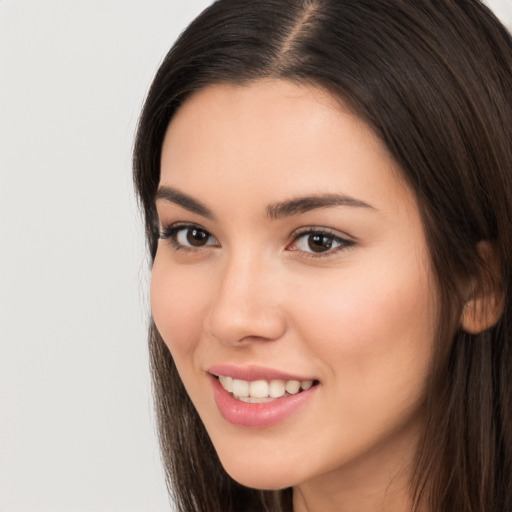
x=197 y=237
x=319 y=243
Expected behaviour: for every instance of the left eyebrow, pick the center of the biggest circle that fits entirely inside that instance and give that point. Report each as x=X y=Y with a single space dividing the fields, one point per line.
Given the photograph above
x=308 y=203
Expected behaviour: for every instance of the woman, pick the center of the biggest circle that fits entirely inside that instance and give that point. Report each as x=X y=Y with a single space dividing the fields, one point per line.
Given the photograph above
x=327 y=195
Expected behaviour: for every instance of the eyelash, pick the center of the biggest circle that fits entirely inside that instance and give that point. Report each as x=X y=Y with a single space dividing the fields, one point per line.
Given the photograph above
x=344 y=243
x=170 y=233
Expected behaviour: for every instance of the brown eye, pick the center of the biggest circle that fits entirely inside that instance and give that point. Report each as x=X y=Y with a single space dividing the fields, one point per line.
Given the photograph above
x=320 y=242
x=196 y=237
x=188 y=236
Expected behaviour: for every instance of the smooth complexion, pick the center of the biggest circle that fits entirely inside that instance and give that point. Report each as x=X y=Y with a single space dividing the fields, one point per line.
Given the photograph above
x=353 y=309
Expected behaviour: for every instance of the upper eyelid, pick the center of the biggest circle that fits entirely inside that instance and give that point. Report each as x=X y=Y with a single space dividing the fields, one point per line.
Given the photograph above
x=322 y=229
x=297 y=233
x=170 y=232
x=180 y=225
x=342 y=239
x=345 y=243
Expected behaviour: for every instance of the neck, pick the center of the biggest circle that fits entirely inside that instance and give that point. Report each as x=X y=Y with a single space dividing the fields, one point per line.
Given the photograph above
x=330 y=496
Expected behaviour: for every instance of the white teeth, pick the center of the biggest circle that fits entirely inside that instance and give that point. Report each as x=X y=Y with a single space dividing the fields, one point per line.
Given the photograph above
x=306 y=384
x=227 y=383
x=240 y=387
x=277 y=388
x=260 y=391
x=251 y=400
x=292 y=386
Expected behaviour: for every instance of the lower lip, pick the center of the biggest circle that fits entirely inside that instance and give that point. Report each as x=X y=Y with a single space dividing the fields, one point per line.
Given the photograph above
x=258 y=415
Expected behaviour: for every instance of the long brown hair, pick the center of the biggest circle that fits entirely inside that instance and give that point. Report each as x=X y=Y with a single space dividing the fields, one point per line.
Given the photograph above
x=433 y=78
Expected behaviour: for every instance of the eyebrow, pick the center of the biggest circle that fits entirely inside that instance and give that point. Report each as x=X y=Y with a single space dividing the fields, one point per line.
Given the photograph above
x=173 y=195
x=275 y=211
x=313 y=202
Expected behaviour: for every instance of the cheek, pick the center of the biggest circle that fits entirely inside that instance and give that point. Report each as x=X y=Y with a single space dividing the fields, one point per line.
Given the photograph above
x=372 y=334
x=178 y=305
x=374 y=327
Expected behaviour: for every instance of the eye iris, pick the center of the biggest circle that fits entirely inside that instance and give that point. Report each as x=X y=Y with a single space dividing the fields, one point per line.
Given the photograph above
x=319 y=243
x=197 y=237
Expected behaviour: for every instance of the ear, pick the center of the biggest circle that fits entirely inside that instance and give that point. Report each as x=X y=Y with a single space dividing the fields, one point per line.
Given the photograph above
x=485 y=298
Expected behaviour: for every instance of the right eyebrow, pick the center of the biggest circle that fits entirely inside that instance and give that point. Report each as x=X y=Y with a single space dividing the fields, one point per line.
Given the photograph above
x=173 y=195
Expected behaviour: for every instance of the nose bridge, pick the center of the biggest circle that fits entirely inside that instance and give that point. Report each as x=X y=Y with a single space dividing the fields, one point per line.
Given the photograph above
x=246 y=305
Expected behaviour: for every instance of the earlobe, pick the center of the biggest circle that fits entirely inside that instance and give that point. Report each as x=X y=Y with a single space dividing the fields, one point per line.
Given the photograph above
x=485 y=300
x=479 y=315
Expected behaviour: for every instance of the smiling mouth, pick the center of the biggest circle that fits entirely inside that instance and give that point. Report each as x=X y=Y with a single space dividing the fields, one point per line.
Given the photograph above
x=263 y=391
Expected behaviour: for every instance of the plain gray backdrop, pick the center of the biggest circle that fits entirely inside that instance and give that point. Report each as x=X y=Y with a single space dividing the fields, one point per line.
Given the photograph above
x=76 y=425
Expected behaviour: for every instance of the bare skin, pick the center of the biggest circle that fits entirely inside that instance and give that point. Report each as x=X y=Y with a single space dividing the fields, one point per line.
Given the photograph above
x=351 y=308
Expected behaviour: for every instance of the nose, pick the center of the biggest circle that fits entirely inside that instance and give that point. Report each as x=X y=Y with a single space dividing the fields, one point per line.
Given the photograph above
x=247 y=304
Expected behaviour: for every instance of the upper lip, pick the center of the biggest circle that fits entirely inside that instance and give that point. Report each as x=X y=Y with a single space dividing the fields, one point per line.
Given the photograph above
x=253 y=372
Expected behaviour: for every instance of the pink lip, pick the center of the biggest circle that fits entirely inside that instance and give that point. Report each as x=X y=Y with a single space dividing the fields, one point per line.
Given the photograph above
x=258 y=415
x=252 y=372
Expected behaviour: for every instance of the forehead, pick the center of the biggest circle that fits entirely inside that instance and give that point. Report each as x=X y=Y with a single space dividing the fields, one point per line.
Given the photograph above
x=274 y=138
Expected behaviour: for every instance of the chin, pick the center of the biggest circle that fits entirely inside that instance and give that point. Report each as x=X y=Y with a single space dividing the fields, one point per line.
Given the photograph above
x=256 y=462
x=260 y=479
x=256 y=476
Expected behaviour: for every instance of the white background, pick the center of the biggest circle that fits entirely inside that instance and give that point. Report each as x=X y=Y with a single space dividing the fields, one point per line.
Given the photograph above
x=76 y=427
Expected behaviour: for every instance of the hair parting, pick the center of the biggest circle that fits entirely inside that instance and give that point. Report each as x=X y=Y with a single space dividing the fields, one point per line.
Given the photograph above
x=433 y=80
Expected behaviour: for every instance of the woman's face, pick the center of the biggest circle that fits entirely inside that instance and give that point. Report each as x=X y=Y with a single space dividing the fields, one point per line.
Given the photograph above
x=293 y=257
